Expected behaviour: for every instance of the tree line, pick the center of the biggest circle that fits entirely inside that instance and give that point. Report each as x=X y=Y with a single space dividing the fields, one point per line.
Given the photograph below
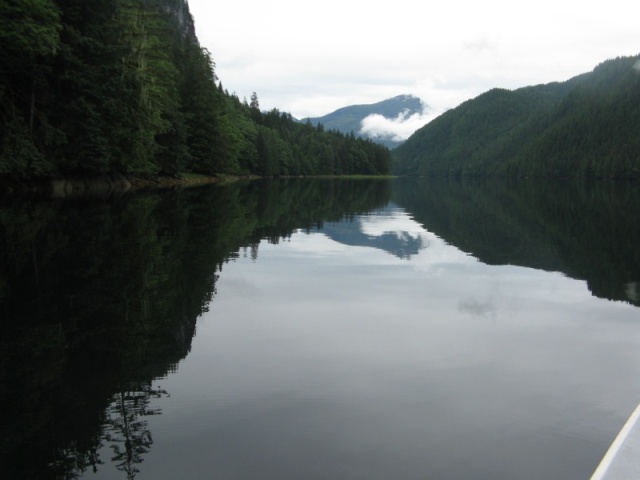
x=124 y=87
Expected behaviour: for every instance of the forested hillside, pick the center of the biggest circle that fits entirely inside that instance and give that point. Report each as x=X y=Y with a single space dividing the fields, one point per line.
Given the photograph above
x=124 y=87
x=587 y=126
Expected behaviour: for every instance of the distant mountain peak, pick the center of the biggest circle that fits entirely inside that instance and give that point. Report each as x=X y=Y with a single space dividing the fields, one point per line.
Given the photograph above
x=406 y=98
x=350 y=118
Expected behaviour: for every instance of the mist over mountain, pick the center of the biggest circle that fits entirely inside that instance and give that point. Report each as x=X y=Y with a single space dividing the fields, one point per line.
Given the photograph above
x=389 y=122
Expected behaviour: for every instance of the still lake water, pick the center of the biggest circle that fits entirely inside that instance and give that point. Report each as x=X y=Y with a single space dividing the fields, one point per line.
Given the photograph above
x=320 y=329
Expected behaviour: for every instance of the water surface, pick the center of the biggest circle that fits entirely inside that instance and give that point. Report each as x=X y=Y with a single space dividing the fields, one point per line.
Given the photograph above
x=322 y=329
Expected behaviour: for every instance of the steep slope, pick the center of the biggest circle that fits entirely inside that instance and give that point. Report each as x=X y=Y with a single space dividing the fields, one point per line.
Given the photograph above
x=123 y=88
x=588 y=126
x=349 y=119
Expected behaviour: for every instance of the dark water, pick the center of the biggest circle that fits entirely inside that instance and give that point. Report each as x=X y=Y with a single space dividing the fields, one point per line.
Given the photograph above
x=319 y=329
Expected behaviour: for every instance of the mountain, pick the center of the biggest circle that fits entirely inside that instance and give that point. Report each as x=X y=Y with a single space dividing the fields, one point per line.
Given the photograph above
x=399 y=243
x=349 y=119
x=587 y=126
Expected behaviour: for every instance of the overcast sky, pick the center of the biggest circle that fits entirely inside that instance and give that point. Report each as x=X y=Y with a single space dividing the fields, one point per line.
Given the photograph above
x=311 y=58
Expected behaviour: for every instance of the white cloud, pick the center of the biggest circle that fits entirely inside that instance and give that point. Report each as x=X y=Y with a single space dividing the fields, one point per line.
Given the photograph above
x=398 y=129
x=311 y=61
x=396 y=220
x=437 y=96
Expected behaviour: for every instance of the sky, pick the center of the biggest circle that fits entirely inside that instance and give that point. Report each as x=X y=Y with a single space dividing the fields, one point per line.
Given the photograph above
x=311 y=58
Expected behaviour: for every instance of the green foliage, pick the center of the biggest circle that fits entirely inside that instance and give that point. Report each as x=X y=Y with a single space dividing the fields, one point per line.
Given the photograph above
x=19 y=153
x=123 y=86
x=29 y=42
x=588 y=126
x=29 y=29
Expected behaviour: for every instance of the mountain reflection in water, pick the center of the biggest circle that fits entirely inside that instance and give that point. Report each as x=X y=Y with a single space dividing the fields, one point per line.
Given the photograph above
x=345 y=328
x=385 y=229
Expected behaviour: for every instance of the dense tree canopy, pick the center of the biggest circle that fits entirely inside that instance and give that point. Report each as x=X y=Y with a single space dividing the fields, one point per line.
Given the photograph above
x=124 y=87
x=588 y=126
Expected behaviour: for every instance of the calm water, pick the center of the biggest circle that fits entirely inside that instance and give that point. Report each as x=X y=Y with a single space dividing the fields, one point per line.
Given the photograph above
x=320 y=329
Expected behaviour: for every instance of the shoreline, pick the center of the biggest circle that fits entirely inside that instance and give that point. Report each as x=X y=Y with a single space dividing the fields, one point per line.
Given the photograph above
x=103 y=186
x=116 y=184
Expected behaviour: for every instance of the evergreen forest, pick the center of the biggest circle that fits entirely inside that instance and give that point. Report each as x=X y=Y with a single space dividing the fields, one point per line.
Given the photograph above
x=588 y=126
x=123 y=87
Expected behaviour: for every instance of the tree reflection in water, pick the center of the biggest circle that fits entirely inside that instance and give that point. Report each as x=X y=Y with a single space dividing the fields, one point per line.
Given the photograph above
x=125 y=429
x=100 y=298
x=102 y=295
